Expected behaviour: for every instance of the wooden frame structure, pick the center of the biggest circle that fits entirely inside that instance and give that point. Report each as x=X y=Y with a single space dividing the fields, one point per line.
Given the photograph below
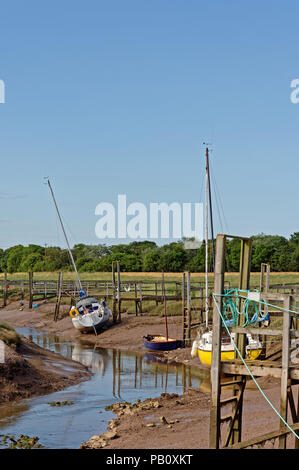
x=235 y=369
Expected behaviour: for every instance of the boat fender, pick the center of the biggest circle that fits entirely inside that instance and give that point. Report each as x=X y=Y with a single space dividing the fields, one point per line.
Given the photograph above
x=74 y=312
x=194 y=348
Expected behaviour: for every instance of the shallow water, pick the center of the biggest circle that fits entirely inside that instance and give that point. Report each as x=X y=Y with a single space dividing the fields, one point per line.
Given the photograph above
x=118 y=376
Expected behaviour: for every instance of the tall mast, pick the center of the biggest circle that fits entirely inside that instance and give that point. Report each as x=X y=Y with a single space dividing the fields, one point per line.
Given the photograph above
x=67 y=242
x=210 y=206
x=207 y=239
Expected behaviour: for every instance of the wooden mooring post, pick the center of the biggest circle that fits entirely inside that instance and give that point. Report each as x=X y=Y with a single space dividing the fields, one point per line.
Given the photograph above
x=265 y=268
x=58 y=299
x=30 y=275
x=186 y=308
x=5 y=290
x=116 y=293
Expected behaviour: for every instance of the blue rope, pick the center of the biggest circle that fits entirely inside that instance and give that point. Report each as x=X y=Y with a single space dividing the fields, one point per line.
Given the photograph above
x=251 y=309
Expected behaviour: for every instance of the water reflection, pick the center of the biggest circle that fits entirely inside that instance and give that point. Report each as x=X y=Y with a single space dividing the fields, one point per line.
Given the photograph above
x=117 y=376
x=129 y=370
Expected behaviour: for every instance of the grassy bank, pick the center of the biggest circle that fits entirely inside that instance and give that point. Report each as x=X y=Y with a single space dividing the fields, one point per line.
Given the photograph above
x=8 y=335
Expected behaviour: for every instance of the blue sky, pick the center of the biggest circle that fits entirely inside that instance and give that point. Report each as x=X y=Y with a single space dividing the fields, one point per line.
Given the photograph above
x=117 y=97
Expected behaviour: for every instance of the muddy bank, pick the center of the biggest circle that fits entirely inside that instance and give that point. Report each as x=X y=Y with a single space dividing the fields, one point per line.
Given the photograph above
x=186 y=423
x=182 y=421
x=170 y=421
x=30 y=371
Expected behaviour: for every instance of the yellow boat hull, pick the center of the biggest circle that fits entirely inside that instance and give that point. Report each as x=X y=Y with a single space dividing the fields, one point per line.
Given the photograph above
x=205 y=357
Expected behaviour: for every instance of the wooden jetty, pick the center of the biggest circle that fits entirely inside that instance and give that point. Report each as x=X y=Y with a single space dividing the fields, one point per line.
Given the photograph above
x=238 y=374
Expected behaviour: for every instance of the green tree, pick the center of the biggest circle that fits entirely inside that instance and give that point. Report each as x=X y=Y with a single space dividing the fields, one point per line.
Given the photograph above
x=14 y=259
x=29 y=262
x=152 y=261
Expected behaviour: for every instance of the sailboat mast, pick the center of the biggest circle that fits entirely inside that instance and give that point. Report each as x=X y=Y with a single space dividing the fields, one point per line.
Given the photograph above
x=66 y=239
x=207 y=239
x=210 y=206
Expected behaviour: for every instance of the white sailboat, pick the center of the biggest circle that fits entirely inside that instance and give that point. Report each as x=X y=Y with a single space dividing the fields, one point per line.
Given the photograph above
x=88 y=314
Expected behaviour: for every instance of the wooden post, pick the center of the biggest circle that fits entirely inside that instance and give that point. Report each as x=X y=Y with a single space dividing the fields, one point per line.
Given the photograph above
x=183 y=307
x=216 y=343
x=113 y=295
x=118 y=372
x=244 y=281
x=244 y=277
x=297 y=440
x=262 y=277
x=156 y=293
x=140 y=297
x=114 y=353
x=58 y=299
x=188 y=338
x=268 y=278
x=5 y=289
x=30 y=289
x=285 y=367
x=136 y=301
x=118 y=292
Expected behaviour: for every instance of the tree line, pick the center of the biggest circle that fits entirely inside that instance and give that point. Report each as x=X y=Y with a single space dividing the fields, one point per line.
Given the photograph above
x=146 y=256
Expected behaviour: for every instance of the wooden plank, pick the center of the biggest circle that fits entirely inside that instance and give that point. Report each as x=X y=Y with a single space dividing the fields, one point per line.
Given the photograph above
x=276 y=296
x=265 y=437
x=257 y=331
x=264 y=331
x=257 y=371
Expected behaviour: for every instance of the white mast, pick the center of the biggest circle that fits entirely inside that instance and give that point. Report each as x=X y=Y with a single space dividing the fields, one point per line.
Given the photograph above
x=67 y=242
x=207 y=239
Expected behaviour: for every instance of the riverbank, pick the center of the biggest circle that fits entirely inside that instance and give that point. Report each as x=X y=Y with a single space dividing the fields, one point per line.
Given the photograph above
x=173 y=421
x=29 y=371
x=179 y=421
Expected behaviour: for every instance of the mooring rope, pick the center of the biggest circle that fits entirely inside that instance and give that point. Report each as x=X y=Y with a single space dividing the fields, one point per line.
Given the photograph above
x=251 y=309
x=250 y=373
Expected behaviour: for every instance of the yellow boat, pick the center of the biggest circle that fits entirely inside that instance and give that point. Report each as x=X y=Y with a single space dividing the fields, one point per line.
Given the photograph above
x=203 y=348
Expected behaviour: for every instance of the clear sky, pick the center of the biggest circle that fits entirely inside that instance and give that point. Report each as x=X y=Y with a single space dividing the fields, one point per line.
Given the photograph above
x=113 y=97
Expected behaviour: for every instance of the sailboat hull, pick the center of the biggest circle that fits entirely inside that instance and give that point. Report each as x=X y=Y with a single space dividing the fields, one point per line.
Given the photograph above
x=205 y=356
x=90 y=321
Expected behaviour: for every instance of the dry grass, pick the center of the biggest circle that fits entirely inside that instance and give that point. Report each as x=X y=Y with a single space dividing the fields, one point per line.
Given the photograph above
x=275 y=278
